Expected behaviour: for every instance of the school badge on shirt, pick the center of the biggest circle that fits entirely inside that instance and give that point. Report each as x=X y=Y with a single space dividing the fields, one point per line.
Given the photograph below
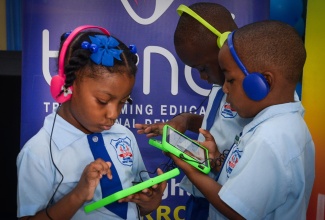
x=227 y=111
x=123 y=150
x=231 y=161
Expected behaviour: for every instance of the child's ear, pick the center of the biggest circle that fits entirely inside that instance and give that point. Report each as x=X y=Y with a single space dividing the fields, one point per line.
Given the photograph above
x=269 y=78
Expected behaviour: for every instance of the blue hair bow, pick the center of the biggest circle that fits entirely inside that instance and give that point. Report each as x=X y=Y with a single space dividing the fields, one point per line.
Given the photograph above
x=106 y=51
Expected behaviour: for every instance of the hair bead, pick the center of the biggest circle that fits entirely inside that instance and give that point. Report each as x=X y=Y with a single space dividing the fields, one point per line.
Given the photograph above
x=133 y=49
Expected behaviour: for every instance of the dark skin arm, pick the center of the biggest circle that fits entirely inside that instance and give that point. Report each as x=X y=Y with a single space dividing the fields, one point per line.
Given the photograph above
x=148 y=200
x=182 y=123
x=207 y=185
x=66 y=207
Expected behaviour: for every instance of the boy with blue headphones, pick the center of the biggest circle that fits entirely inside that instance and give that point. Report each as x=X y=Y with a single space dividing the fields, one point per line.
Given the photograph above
x=201 y=30
x=197 y=41
x=269 y=170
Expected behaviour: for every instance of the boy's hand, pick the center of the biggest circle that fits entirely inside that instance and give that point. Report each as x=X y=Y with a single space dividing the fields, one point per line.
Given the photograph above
x=156 y=129
x=152 y=130
x=216 y=158
x=209 y=143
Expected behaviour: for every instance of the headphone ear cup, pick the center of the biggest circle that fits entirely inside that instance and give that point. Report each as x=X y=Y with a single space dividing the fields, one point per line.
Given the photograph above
x=255 y=86
x=57 y=83
x=222 y=38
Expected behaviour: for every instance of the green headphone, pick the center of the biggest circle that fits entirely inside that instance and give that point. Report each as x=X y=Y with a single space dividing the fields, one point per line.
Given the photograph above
x=221 y=37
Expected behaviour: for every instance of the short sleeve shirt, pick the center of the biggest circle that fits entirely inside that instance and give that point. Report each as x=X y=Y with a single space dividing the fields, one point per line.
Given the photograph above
x=38 y=177
x=269 y=173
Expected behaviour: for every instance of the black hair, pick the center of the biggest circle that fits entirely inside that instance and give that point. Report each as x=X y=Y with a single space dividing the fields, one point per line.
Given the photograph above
x=78 y=59
x=189 y=29
x=271 y=45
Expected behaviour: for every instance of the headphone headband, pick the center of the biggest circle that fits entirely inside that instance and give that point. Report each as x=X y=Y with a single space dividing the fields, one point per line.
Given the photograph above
x=221 y=37
x=70 y=38
x=58 y=91
x=234 y=54
x=255 y=84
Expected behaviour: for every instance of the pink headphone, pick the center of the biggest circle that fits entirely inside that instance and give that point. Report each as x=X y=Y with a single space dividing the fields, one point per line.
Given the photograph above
x=58 y=81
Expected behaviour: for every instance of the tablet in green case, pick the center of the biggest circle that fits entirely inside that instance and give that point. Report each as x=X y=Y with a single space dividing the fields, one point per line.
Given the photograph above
x=183 y=147
x=131 y=190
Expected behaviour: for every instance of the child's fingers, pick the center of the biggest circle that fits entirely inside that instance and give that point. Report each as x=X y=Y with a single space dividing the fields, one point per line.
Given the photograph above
x=101 y=167
x=207 y=135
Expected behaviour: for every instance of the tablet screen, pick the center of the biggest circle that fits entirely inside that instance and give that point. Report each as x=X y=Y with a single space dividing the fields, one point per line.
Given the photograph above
x=186 y=146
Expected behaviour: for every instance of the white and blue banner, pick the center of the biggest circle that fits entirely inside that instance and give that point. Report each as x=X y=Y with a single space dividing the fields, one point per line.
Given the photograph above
x=164 y=85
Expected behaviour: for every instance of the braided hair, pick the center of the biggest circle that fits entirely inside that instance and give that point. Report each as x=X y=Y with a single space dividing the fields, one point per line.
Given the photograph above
x=78 y=59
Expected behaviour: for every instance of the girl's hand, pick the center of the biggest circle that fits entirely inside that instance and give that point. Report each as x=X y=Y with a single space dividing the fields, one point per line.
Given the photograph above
x=90 y=178
x=148 y=199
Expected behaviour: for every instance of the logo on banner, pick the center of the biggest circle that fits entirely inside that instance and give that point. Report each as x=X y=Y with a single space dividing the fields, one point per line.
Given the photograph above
x=160 y=8
x=227 y=111
x=123 y=150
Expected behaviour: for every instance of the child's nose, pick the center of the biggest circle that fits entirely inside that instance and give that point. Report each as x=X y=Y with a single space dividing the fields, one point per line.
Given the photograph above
x=113 y=111
x=203 y=76
x=224 y=88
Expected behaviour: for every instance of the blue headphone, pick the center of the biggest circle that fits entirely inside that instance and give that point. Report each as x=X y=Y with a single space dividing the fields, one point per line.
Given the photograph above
x=255 y=85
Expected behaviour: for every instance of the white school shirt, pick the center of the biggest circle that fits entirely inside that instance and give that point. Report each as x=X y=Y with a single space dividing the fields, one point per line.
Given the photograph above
x=269 y=173
x=38 y=178
x=226 y=126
